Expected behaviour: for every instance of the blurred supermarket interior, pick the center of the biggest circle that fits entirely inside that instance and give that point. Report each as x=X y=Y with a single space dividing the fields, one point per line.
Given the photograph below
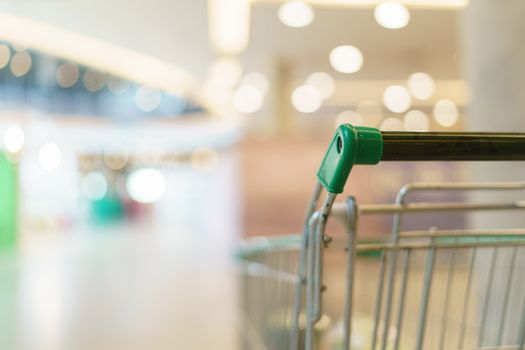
x=140 y=141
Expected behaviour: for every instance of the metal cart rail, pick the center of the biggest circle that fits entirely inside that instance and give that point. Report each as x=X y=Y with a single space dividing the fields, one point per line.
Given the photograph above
x=403 y=249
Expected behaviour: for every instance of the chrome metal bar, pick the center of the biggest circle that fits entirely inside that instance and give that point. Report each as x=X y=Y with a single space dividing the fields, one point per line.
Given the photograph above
x=464 y=186
x=320 y=236
x=379 y=300
x=461 y=233
x=370 y=247
x=310 y=283
x=512 y=265
x=486 y=302
x=521 y=335
x=351 y=228
x=439 y=207
x=256 y=269
x=340 y=210
x=314 y=259
x=466 y=299
x=425 y=296
x=402 y=294
x=396 y=227
x=444 y=318
x=301 y=269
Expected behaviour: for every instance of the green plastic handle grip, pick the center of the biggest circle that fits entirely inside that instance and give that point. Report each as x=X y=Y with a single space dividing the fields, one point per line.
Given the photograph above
x=350 y=145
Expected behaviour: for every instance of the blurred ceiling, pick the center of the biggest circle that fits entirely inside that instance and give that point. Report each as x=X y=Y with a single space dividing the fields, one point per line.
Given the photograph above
x=174 y=34
x=428 y=43
x=177 y=31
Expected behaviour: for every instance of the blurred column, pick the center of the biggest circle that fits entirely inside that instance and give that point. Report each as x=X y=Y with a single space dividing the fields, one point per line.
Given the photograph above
x=495 y=64
x=494 y=51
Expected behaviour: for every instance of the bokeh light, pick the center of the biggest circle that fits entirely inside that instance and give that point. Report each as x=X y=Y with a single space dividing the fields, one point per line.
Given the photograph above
x=346 y=59
x=446 y=113
x=49 y=156
x=306 y=99
x=397 y=98
x=416 y=121
x=94 y=80
x=421 y=85
x=14 y=139
x=117 y=86
x=392 y=15
x=323 y=82
x=392 y=124
x=225 y=72
x=67 y=74
x=205 y=159
x=116 y=155
x=248 y=99
x=146 y=185
x=256 y=79
x=147 y=100
x=94 y=185
x=296 y=14
x=20 y=63
x=5 y=55
x=371 y=112
x=348 y=117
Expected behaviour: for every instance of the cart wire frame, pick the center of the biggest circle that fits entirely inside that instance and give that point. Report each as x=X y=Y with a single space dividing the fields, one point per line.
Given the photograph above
x=360 y=145
x=401 y=242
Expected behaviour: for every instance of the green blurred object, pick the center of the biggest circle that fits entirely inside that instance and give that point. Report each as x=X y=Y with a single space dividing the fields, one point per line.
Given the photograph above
x=8 y=202
x=107 y=210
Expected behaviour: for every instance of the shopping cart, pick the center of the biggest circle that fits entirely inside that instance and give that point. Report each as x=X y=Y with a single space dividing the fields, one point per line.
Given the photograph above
x=434 y=288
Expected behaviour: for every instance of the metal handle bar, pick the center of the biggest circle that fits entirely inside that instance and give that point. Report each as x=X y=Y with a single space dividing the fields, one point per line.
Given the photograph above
x=361 y=145
x=452 y=146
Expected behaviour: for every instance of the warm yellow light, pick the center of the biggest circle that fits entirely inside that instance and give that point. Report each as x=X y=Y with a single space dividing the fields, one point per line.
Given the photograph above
x=421 y=85
x=117 y=86
x=94 y=81
x=5 y=55
x=248 y=99
x=397 y=98
x=205 y=159
x=424 y=4
x=296 y=14
x=116 y=155
x=446 y=113
x=349 y=117
x=416 y=121
x=256 y=79
x=225 y=73
x=306 y=99
x=346 y=59
x=67 y=74
x=20 y=63
x=323 y=82
x=392 y=15
x=371 y=112
x=229 y=25
x=391 y=124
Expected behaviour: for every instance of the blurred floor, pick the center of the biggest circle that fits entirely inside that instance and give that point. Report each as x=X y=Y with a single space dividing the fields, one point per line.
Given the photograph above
x=117 y=291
